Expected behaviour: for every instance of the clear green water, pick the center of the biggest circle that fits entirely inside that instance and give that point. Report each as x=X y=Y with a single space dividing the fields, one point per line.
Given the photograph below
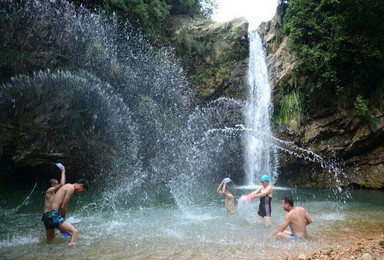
x=164 y=231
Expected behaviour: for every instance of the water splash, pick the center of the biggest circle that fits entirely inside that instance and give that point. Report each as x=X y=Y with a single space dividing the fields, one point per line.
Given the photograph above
x=204 y=159
x=26 y=201
x=335 y=170
x=134 y=104
x=17 y=240
x=130 y=99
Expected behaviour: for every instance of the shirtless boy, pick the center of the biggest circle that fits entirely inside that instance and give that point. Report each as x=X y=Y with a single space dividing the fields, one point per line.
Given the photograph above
x=54 y=186
x=57 y=211
x=229 y=199
x=297 y=219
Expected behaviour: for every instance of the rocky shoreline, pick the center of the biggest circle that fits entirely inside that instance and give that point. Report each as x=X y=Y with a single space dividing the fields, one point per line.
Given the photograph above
x=369 y=248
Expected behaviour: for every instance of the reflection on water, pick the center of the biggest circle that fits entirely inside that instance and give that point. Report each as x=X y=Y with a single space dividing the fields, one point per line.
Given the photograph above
x=203 y=232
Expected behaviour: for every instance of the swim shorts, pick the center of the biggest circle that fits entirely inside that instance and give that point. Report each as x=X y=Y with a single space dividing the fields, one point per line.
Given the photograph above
x=265 y=209
x=293 y=237
x=52 y=219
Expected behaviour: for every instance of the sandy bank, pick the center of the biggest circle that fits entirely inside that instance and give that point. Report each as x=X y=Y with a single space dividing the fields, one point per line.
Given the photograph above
x=369 y=248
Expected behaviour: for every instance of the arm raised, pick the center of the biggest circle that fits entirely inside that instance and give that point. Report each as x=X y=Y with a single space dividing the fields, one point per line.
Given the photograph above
x=62 y=180
x=219 y=188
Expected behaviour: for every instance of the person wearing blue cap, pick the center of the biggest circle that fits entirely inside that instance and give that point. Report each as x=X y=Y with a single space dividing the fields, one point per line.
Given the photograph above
x=264 y=192
x=54 y=185
x=229 y=199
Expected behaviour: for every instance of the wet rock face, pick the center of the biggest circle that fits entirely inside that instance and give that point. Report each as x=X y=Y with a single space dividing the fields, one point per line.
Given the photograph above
x=340 y=136
x=357 y=148
x=214 y=54
x=53 y=117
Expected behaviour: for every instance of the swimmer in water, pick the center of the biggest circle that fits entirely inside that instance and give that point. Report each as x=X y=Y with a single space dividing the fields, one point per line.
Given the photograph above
x=229 y=199
x=264 y=192
x=297 y=219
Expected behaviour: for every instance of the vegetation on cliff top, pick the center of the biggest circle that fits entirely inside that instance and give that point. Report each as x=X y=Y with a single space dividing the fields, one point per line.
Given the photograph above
x=339 y=53
x=150 y=15
x=146 y=16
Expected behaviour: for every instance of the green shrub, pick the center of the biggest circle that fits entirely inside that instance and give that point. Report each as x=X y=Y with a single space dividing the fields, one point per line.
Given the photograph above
x=150 y=15
x=363 y=111
x=338 y=45
x=291 y=110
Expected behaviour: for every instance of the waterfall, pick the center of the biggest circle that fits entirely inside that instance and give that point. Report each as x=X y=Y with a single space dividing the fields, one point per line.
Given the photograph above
x=260 y=156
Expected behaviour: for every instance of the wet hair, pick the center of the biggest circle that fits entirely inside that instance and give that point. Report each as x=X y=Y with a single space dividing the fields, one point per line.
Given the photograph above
x=288 y=200
x=53 y=181
x=84 y=182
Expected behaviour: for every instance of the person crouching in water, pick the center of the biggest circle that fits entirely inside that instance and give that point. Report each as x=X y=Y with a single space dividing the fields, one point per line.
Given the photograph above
x=229 y=199
x=264 y=192
x=297 y=219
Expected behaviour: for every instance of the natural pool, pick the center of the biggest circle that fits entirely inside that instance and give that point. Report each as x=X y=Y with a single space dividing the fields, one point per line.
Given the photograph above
x=164 y=231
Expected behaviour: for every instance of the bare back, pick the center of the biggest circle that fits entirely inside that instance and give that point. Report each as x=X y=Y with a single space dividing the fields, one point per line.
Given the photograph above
x=48 y=199
x=298 y=219
x=229 y=203
x=62 y=197
x=50 y=193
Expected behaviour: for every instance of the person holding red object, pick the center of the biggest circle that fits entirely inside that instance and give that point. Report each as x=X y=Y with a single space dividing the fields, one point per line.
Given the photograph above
x=264 y=192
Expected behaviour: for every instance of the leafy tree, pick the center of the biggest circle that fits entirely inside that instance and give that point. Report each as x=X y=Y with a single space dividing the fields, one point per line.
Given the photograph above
x=149 y=15
x=338 y=47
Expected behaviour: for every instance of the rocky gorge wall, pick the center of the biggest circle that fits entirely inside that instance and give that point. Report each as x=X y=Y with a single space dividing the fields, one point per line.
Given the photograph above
x=214 y=55
x=335 y=134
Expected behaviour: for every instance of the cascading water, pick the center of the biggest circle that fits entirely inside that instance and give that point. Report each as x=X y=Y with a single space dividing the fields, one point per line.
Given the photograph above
x=123 y=106
x=260 y=156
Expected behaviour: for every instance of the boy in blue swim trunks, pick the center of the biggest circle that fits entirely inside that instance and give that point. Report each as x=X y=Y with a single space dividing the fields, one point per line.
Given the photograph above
x=57 y=211
x=297 y=219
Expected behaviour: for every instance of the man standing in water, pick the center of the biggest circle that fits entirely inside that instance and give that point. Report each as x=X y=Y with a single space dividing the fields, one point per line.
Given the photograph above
x=297 y=219
x=229 y=199
x=57 y=211
x=264 y=192
x=54 y=186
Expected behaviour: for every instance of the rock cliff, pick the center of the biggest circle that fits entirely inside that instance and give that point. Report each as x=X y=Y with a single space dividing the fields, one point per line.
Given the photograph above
x=337 y=134
x=213 y=54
